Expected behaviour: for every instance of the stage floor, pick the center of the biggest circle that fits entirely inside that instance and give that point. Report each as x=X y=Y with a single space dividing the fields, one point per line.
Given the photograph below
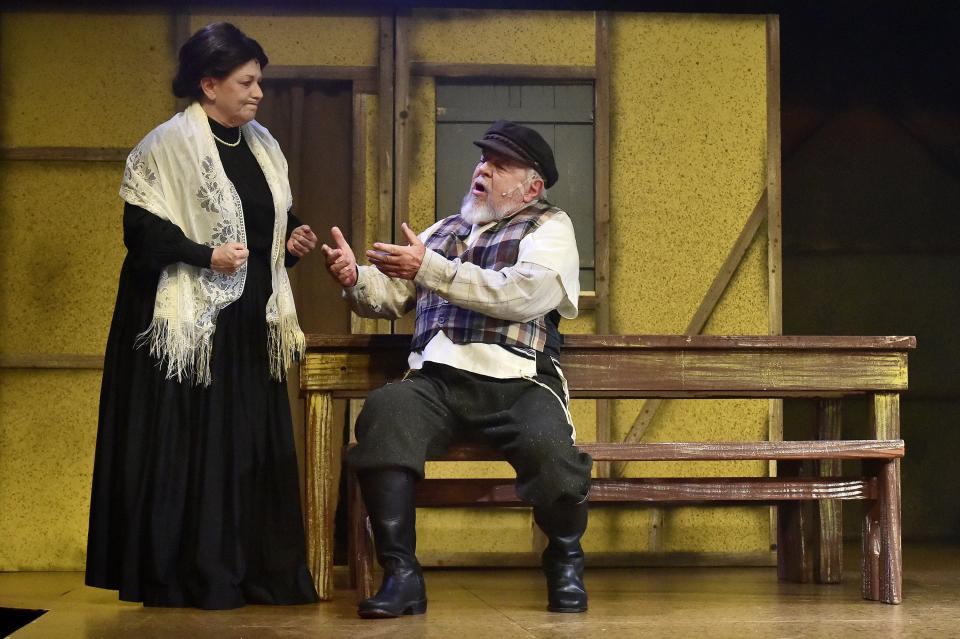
x=663 y=603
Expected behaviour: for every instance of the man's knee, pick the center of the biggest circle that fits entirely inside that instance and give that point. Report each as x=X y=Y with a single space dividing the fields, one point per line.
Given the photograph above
x=558 y=471
x=382 y=405
x=398 y=427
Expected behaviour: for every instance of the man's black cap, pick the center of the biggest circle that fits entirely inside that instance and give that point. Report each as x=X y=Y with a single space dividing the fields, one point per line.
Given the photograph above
x=524 y=144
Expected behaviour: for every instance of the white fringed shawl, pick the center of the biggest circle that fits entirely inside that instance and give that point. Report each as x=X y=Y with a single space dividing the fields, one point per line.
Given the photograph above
x=175 y=173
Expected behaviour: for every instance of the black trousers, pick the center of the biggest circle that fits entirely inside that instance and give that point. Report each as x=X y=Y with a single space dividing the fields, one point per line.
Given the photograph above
x=404 y=423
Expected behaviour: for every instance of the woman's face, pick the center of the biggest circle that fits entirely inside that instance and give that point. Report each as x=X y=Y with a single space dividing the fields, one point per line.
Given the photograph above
x=233 y=100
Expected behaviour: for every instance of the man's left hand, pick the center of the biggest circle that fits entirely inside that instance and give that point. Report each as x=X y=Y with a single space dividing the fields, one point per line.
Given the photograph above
x=302 y=241
x=399 y=261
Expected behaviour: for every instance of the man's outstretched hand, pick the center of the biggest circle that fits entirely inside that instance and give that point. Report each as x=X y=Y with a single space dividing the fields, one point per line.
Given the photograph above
x=341 y=263
x=399 y=261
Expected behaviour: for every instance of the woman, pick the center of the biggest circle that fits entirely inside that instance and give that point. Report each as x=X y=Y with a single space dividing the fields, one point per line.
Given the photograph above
x=195 y=487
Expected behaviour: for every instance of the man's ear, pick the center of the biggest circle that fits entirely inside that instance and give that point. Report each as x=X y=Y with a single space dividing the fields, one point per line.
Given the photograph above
x=533 y=190
x=208 y=86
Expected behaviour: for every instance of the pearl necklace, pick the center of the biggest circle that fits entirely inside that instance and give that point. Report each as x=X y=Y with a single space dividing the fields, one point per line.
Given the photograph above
x=224 y=142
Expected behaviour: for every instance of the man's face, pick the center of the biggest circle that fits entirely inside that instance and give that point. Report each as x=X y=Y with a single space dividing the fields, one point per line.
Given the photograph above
x=497 y=188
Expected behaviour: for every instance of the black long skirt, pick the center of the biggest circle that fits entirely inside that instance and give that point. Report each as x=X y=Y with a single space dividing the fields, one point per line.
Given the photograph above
x=195 y=490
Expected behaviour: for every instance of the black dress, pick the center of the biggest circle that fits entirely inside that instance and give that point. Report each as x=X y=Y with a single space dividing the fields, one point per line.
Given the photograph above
x=195 y=490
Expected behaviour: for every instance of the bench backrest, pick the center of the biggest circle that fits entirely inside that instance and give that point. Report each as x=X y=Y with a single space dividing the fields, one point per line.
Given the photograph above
x=644 y=366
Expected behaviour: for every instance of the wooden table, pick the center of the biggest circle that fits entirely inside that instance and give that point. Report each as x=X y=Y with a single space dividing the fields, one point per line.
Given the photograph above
x=621 y=367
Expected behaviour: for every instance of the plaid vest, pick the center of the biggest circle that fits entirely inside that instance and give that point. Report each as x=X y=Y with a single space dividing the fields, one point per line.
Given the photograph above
x=495 y=248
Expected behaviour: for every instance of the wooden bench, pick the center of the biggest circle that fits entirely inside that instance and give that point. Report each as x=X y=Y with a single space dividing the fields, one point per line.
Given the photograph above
x=607 y=367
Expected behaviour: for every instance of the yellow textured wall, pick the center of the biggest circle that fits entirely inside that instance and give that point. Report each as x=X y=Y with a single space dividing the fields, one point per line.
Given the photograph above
x=61 y=227
x=47 y=433
x=502 y=37
x=73 y=79
x=687 y=166
x=422 y=157
x=294 y=38
x=65 y=86
x=688 y=150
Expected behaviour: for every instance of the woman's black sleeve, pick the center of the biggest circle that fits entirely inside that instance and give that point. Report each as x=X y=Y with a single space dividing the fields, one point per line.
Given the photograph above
x=155 y=243
x=293 y=222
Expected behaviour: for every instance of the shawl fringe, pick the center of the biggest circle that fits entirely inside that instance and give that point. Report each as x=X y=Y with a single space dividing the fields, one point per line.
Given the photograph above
x=286 y=344
x=180 y=350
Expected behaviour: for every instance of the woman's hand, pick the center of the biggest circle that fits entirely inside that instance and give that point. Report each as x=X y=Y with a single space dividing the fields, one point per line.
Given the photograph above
x=341 y=263
x=228 y=258
x=302 y=241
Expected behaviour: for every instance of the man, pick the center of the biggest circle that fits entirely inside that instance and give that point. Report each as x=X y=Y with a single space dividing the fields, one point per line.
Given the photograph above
x=489 y=286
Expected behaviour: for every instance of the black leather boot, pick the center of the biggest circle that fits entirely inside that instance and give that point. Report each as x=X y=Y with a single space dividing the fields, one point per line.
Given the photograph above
x=389 y=498
x=564 y=525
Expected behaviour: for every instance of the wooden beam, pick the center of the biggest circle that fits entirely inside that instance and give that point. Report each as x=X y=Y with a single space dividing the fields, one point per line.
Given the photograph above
x=881 y=556
x=323 y=447
x=385 y=131
x=709 y=302
x=601 y=208
x=295 y=151
x=774 y=227
x=885 y=416
x=832 y=450
x=643 y=373
x=614 y=344
x=368 y=87
x=829 y=513
x=401 y=123
x=715 y=490
x=774 y=196
x=65 y=154
x=180 y=32
x=601 y=147
x=358 y=175
x=320 y=72
x=794 y=533
x=42 y=360
x=587 y=301
x=550 y=73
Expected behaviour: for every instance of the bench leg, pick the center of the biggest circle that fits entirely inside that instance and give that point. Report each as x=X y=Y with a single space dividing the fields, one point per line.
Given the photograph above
x=323 y=446
x=891 y=556
x=882 y=560
x=361 y=547
x=829 y=513
x=870 y=549
x=794 y=533
x=882 y=557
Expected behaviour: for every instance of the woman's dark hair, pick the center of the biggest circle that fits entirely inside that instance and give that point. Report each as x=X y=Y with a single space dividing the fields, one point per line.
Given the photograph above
x=213 y=51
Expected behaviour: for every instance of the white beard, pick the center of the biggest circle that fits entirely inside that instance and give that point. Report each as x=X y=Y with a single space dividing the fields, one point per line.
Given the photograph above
x=476 y=211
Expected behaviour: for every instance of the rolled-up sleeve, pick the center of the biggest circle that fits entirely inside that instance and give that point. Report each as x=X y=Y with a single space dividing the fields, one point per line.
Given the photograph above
x=376 y=295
